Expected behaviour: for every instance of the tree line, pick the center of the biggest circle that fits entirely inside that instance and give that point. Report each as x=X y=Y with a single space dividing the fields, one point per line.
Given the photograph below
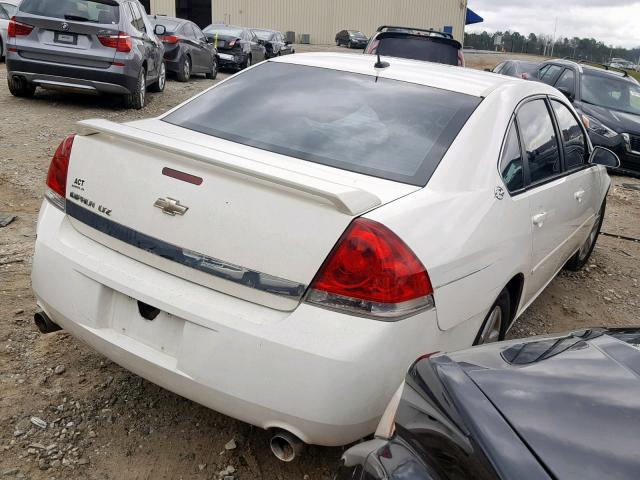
x=583 y=48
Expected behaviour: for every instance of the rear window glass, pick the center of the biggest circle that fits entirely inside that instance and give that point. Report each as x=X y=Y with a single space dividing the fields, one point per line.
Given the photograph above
x=222 y=30
x=95 y=11
x=426 y=49
x=376 y=126
x=263 y=34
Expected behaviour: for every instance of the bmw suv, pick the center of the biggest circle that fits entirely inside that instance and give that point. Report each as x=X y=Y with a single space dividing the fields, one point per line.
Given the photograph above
x=90 y=46
x=609 y=102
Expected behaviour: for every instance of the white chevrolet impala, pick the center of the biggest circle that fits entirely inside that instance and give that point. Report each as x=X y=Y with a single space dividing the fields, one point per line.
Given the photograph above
x=283 y=246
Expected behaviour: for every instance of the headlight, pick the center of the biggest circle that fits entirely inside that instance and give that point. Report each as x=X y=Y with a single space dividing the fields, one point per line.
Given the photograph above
x=598 y=127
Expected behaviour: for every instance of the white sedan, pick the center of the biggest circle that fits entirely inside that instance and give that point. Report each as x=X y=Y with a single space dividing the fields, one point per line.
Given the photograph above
x=281 y=247
x=7 y=10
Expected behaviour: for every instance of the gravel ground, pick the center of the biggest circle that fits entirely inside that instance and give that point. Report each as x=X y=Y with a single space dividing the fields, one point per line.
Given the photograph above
x=103 y=422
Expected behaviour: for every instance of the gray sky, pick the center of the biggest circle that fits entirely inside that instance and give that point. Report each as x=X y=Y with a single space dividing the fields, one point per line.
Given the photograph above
x=614 y=22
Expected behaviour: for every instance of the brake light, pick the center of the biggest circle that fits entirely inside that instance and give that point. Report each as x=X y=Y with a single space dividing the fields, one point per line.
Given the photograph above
x=171 y=39
x=121 y=42
x=372 y=272
x=232 y=43
x=461 y=58
x=17 y=29
x=57 y=175
x=373 y=48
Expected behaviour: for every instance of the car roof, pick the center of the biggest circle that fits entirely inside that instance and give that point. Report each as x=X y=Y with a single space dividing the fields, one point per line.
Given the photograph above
x=446 y=77
x=159 y=18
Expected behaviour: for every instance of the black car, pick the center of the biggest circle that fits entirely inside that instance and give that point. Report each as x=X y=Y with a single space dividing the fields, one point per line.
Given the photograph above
x=273 y=42
x=351 y=39
x=417 y=44
x=563 y=407
x=186 y=49
x=517 y=68
x=238 y=47
x=608 y=101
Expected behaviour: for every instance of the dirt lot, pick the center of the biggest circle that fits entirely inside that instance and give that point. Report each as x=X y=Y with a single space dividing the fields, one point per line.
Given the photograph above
x=104 y=422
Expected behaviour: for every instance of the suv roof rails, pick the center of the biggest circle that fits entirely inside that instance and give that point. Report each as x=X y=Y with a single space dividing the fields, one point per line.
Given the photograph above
x=588 y=63
x=414 y=29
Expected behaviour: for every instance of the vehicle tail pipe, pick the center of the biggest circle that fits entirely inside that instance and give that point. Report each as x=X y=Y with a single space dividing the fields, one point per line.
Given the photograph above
x=285 y=445
x=45 y=324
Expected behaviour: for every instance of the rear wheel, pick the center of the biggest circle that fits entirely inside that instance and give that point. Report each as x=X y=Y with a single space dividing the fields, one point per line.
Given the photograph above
x=2 y=54
x=184 y=71
x=214 y=70
x=159 y=84
x=580 y=259
x=495 y=325
x=247 y=63
x=136 y=99
x=350 y=44
x=19 y=87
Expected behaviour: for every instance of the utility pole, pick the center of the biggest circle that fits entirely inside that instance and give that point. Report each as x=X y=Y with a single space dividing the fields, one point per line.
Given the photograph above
x=555 y=30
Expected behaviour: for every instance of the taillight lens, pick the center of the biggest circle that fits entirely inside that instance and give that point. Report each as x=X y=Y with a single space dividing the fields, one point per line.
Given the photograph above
x=461 y=58
x=171 y=39
x=57 y=175
x=17 y=29
x=232 y=43
x=373 y=47
x=372 y=272
x=121 y=42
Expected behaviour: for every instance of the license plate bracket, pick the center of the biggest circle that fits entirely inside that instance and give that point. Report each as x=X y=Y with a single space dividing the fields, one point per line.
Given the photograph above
x=65 y=38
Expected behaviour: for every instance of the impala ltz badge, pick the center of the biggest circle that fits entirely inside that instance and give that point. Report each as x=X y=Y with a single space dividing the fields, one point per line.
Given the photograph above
x=65 y=27
x=170 y=206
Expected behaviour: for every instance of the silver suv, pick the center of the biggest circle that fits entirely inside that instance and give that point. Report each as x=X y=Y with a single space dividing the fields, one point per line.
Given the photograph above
x=93 y=46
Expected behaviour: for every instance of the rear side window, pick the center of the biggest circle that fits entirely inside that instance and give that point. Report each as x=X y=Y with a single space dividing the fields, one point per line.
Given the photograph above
x=567 y=80
x=3 y=13
x=573 y=138
x=418 y=48
x=540 y=142
x=551 y=75
x=136 y=18
x=376 y=126
x=511 y=165
x=94 y=11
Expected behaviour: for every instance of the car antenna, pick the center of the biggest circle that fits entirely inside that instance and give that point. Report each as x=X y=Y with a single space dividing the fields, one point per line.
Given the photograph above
x=381 y=64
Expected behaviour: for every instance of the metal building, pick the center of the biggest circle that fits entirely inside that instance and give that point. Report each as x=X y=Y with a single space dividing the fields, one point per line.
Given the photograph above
x=321 y=19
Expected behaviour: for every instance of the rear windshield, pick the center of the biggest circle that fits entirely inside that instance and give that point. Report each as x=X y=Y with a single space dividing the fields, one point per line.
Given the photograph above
x=222 y=30
x=426 y=49
x=263 y=34
x=376 y=126
x=94 y=11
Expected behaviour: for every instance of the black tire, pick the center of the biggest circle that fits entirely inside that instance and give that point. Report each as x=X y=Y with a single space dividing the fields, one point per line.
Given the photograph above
x=337 y=43
x=19 y=87
x=214 y=70
x=489 y=332
x=350 y=44
x=184 y=71
x=246 y=63
x=582 y=256
x=136 y=99
x=2 y=54
x=158 y=85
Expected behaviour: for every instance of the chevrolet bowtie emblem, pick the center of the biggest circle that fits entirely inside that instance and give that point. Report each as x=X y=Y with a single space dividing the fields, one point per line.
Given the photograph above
x=170 y=206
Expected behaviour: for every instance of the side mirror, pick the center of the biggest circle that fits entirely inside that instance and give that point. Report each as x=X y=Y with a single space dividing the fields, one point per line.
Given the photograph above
x=567 y=93
x=605 y=157
x=261 y=42
x=159 y=30
x=488 y=70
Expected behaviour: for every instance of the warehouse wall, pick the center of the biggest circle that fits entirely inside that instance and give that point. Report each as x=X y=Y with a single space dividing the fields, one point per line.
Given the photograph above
x=322 y=19
x=163 y=7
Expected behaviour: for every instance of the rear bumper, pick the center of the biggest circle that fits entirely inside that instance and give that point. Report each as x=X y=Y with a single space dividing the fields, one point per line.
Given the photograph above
x=324 y=376
x=68 y=77
x=230 y=60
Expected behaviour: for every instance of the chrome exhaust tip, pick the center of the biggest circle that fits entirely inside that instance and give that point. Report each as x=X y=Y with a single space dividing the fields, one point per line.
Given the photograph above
x=285 y=446
x=44 y=323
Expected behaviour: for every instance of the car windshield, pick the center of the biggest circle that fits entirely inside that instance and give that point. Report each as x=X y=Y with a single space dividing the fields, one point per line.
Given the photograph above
x=610 y=92
x=376 y=126
x=263 y=34
x=224 y=30
x=95 y=11
x=419 y=48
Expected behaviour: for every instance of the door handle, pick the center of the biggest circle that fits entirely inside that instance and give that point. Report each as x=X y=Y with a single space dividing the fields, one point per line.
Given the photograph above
x=538 y=220
x=579 y=195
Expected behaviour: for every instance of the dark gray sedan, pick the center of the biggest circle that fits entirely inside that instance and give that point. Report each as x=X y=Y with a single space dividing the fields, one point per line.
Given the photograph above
x=238 y=47
x=186 y=49
x=274 y=42
x=92 y=46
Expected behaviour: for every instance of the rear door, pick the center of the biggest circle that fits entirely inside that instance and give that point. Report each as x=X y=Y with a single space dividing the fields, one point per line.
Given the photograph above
x=69 y=32
x=201 y=47
x=140 y=36
x=552 y=213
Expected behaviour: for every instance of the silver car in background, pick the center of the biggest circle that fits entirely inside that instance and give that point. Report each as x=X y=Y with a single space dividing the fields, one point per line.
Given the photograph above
x=7 y=10
x=92 y=46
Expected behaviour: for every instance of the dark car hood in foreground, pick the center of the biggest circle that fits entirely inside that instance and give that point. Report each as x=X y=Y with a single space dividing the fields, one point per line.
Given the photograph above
x=621 y=122
x=578 y=409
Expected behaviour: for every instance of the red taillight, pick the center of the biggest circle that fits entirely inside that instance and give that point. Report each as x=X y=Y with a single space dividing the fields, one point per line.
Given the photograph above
x=371 y=271
x=57 y=175
x=171 y=39
x=461 y=58
x=121 y=42
x=17 y=29
x=525 y=76
x=232 y=43
x=373 y=47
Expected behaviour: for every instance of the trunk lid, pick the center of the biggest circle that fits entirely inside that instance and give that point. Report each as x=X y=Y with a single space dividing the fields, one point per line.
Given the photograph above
x=223 y=42
x=68 y=41
x=257 y=225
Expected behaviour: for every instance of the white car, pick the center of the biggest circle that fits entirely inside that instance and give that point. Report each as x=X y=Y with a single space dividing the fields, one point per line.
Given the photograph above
x=7 y=10
x=281 y=247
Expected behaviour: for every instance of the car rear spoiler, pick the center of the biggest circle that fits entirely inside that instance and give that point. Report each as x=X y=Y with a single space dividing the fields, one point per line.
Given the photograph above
x=347 y=199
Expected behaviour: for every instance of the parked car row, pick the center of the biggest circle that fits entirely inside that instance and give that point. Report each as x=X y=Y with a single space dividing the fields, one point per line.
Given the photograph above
x=607 y=100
